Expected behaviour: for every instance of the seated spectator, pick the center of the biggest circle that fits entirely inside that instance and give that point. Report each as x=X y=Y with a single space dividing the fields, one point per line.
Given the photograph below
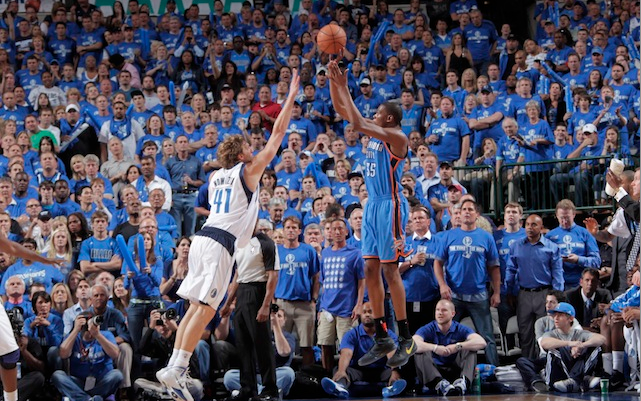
x=91 y=353
x=45 y=327
x=446 y=350
x=589 y=300
x=15 y=293
x=353 y=346
x=571 y=353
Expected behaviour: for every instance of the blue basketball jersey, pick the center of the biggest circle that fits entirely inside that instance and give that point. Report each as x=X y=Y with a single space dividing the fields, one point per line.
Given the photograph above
x=383 y=170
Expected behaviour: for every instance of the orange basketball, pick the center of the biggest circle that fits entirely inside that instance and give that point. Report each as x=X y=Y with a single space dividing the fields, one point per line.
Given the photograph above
x=331 y=39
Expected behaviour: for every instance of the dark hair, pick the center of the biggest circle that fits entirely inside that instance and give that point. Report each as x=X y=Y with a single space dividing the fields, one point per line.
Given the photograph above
x=591 y=271
x=39 y=294
x=84 y=228
x=559 y=295
x=333 y=210
x=422 y=209
x=395 y=111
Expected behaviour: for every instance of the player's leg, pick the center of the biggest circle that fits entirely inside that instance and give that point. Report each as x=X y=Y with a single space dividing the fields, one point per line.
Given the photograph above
x=9 y=383
x=375 y=288
x=396 y=289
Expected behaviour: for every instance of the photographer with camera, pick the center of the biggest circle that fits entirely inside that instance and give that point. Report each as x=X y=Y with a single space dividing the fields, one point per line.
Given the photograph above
x=112 y=320
x=31 y=366
x=91 y=353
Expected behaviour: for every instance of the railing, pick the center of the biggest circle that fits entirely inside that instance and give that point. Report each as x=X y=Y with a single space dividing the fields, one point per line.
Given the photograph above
x=581 y=180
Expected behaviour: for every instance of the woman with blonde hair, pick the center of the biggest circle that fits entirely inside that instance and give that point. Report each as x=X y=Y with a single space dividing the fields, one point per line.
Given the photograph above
x=468 y=80
x=77 y=164
x=59 y=247
x=168 y=150
x=61 y=299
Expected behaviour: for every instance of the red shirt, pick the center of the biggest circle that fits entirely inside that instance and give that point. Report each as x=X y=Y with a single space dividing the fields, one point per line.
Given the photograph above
x=272 y=110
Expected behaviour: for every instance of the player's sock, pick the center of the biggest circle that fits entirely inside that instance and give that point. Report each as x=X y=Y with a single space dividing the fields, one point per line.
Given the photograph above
x=12 y=396
x=172 y=359
x=403 y=329
x=617 y=360
x=182 y=360
x=381 y=327
x=607 y=362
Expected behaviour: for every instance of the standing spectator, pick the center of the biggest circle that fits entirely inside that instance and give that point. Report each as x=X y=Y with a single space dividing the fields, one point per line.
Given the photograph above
x=578 y=247
x=481 y=38
x=343 y=286
x=122 y=127
x=298 y=286
x=91 y=353
x=572 y=353
x=186 y=176
x=469 y=255
x=417 y=271
x=535 y=266
x=446 y=351
x=84 y=304
x=449 y=135
x=354 y=346
x=99 y=252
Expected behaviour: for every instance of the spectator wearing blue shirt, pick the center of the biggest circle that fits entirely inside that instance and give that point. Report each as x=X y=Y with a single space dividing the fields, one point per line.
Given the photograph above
x=355 y=345
x=534 y=266
x=92 y=353
x=486 y=119
x=342 y=278
x=31 y=272
x=432 y=55
x=579 y=249
x=45 y=327
x=446 y=352
x=417 y=270
x=481 y=38
x=99 y=252
x=411 y=112
x=470 y=257
x=454 y=91
x=559 y=54
x=186 y=176
x=298 y=286
x=449 y=135
x=368 y=101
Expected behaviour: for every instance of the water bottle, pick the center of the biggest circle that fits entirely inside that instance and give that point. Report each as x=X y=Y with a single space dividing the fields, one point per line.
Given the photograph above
x=19 y=370
x=616 y=166
x=476 y=384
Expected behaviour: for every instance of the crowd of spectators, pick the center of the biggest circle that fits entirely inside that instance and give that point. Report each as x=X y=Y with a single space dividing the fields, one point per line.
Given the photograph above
x=110 y=124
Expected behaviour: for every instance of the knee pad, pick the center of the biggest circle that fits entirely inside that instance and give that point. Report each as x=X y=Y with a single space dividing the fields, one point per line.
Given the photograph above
x=8 y=361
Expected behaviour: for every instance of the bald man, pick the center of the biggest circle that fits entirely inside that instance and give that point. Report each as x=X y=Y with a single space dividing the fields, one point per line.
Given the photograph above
x=538 y=263
x=446 y=351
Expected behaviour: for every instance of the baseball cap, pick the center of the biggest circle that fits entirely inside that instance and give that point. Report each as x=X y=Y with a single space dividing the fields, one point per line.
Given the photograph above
x=563 y=307
x=354 y=175
x=366 y=82
x=55 y=61
x=548 y=21
x=321 y=71
x=454 y=187
x=597 y=50
x=445 y=164
x=511 y=37
x=589 y=128
x=225 y=87
x=71 y=107
x=487 y=88
x=306 y=153
x=303 y=12
x=45 y=215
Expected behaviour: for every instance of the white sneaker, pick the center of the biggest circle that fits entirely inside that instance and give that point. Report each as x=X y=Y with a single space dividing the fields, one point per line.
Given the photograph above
x=175 y=381
x=566 y=386
x=160 y=373
x=444 y=387
x=460 y=385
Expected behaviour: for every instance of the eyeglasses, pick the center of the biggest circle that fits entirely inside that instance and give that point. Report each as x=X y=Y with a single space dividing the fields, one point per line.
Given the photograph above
x=33 y=205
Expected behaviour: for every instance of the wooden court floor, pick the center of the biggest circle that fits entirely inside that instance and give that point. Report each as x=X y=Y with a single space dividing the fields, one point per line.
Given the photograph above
x=593 y=396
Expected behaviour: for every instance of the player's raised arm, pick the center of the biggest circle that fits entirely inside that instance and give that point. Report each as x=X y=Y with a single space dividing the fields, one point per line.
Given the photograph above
x=346 y=108
x=265 y=156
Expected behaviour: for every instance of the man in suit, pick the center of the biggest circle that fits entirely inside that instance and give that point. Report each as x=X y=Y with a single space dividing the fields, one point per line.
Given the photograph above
x=629 y=203
x=589 y=301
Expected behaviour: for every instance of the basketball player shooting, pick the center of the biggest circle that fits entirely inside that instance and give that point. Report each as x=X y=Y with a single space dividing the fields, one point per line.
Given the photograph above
x=233 y=197
x=386 y=208
x=9 y=350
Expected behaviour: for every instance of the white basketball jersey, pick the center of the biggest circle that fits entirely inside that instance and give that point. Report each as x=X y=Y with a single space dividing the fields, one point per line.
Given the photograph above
x=233 y=206
x=7 y=340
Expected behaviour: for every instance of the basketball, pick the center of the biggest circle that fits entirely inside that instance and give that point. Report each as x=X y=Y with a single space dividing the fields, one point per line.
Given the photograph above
x=331 y=39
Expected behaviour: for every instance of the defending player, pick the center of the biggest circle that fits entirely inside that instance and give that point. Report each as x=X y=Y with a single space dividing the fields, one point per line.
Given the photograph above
x=233 y=196
x=384 y=217
x=9 y=351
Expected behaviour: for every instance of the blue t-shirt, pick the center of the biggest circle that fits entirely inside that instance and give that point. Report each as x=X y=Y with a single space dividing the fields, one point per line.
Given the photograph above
x=419 y=280
x=579 y=241
x=95 y=250
x=467 y=255
x=89 y=358
x=298 y=266
x=360 y=342
x=34 y=273
x=340 y=272
x=450 y=132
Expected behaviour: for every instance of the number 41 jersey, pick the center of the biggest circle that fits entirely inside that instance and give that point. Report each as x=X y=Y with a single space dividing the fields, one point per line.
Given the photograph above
x=233 y=206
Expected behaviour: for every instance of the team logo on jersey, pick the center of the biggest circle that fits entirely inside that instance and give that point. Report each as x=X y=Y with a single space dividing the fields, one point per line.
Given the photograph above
x=467 y=241
x=213 y=293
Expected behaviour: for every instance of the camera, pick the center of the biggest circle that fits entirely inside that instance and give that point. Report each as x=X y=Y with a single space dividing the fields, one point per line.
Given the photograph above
x=98 y=320
x=170 y=314
x=274 y=308
x=16 y=317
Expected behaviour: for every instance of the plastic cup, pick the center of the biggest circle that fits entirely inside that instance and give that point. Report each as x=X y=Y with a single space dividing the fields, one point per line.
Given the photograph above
x=605 y=386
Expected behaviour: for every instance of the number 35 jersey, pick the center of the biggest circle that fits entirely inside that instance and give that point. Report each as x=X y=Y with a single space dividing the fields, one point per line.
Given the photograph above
x=233 y=206
x=383 y=170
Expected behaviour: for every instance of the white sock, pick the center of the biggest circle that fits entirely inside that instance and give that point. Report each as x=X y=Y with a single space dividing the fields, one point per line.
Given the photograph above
x=172 y=359
x=617 y=360
x=182 y=360
x=607 y=362
x=12 y=396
